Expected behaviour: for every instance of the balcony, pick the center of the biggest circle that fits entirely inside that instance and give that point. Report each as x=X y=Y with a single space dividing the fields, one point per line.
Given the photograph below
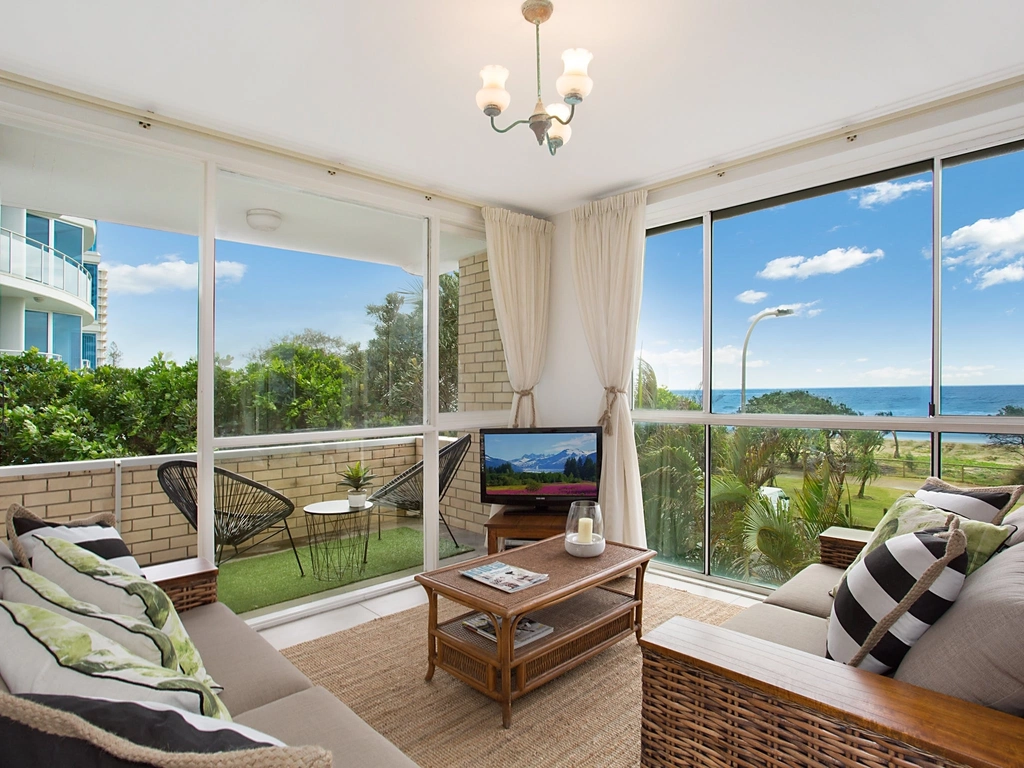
x=58 y=277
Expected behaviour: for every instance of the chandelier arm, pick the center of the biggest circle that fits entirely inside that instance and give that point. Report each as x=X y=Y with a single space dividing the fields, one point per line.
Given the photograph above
x=551 y=148
x=509 y=128
x=572 y=112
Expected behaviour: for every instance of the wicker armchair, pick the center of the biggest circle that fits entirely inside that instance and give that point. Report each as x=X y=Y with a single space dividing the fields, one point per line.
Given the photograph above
x=242 y=508
x=714 y=697
x=406 y=490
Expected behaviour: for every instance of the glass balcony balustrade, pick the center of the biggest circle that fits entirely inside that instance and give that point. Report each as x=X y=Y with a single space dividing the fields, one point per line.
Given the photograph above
x=25 y=258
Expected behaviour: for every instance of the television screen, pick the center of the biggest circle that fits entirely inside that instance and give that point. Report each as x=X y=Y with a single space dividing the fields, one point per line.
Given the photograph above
x=540 y=467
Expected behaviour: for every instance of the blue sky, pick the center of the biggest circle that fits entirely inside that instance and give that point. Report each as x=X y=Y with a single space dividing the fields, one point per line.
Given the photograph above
x=515 y=445
x=856 y=268
x=262 y=293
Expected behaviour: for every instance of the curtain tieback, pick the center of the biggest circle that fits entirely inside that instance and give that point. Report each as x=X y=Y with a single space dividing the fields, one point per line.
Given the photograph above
x=524 y=393
x=610 y=394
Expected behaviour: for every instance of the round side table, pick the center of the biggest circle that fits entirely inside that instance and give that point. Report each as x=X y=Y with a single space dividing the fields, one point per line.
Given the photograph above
x=339 y=538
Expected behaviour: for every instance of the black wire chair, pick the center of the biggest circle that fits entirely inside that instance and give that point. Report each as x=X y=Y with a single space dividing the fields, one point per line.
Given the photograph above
x=242 y=508
x=406 y=490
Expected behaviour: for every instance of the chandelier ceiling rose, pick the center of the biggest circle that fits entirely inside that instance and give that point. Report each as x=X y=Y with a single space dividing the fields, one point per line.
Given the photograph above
x=538 y=11
x=549 y=124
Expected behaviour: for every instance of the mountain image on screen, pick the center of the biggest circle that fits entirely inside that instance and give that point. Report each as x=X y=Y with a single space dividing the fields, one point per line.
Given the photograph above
x=562 y=472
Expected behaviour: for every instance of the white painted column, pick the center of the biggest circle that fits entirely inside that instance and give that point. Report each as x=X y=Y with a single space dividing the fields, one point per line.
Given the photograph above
x=14 y=220
x=12 y=323
x=204 y=436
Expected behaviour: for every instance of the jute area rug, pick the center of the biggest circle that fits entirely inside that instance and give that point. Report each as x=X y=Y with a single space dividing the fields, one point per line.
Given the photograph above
x=587 y=717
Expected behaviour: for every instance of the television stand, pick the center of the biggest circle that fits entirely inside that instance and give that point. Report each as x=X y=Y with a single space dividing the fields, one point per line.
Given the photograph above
x=513 y=524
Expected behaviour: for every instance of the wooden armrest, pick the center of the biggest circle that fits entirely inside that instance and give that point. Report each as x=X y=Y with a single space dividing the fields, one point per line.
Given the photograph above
x=758 y=703
x=189 y=583
x=840 y=546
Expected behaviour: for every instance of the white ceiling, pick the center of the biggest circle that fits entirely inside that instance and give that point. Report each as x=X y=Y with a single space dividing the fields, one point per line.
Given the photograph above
x=388 y=86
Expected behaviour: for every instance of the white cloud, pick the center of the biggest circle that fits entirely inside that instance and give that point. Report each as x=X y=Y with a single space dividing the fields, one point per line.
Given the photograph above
x=861 y=360
x=814 y=312
x=170 y=274
x=831 y=262
x=986 y=242
x=752 y=297
x=889 y=374
x=888 y=192
x=966 y=371
x=1011 y=273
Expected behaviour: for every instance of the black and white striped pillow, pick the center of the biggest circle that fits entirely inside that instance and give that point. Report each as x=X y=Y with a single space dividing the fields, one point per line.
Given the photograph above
x=988 y=505
x=96 y=534
x=891 y=597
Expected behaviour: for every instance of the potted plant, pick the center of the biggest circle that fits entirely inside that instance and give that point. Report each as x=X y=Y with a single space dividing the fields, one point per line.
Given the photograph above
x=357 y=479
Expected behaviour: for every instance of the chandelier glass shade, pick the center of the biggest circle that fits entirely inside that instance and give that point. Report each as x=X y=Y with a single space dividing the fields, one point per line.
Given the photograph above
x=549 y=124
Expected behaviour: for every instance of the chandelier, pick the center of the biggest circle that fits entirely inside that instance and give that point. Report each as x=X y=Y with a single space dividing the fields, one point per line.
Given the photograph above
x=550 y=124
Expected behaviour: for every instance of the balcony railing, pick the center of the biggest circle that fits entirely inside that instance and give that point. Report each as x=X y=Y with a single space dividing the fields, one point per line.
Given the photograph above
x=47 y=355
x=42 y=264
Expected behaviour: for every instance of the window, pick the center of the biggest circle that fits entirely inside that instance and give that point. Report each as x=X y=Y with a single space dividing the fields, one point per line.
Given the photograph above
x=67 y=238
x=669 y=337
x=319 y=323
x=982 y=283
x=89 y=350
x=67 y=339
x=37 y=330
x=826 y=293
x=37 y=228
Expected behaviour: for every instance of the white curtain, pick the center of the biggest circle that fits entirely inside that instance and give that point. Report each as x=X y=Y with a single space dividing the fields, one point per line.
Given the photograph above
x=608 y=267
x=519 y=259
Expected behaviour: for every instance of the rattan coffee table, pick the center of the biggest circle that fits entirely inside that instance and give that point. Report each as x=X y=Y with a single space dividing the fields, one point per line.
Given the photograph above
x=587 y=614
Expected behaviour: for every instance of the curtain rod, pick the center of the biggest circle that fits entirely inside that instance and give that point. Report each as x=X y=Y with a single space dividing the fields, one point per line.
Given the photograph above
x=32 y=85
x=845 y=131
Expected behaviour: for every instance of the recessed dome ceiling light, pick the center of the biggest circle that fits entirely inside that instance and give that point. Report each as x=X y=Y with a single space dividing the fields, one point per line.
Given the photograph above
x=263 y=219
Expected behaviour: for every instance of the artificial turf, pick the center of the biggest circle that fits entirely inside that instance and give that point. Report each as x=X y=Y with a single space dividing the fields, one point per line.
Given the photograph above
x=256 y=582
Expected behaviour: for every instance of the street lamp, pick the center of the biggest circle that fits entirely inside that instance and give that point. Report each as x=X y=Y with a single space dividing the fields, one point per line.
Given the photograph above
x=780 y=312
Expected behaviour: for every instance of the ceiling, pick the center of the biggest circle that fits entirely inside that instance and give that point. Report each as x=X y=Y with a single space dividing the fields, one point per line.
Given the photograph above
x=389 y=86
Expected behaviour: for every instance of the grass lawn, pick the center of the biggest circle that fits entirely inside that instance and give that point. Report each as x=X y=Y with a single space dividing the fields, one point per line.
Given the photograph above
x=866 y=512
x=256 y=582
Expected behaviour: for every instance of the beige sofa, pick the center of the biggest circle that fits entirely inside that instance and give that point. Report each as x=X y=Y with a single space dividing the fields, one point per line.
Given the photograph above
x=262 y=689
x=758 y=690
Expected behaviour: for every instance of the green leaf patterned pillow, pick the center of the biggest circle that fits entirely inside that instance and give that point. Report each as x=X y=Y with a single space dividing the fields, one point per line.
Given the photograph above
x=88 y=577
x=44 y=652
x=910 y=515
x=20 y=585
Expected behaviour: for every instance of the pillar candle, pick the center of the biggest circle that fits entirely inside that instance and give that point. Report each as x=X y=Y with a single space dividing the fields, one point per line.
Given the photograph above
x=585 y=533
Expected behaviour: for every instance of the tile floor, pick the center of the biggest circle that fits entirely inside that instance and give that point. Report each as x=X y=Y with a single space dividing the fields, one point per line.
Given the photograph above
x=335 y=620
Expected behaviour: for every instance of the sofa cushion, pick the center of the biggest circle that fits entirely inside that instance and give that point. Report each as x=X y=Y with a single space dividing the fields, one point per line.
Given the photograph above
x=783 y=626
x=47 y=653
x=808 y=591
x=251 y=671
x=890 y=599
x=39 y=730
x=986 y=504
x=95 y=533
x=315 y=716
x=975 y=651
x=6 y=556
x=909 y=514
x=90 y=578
x=22 y=585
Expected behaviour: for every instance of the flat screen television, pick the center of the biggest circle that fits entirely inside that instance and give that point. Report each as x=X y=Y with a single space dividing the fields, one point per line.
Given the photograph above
x=540 y=469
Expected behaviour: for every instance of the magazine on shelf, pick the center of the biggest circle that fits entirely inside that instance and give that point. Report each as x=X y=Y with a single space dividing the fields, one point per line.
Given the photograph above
x=507 y=578
x=527 y=630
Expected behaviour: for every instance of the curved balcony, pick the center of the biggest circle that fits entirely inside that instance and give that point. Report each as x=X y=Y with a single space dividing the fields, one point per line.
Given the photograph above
x=24 y=258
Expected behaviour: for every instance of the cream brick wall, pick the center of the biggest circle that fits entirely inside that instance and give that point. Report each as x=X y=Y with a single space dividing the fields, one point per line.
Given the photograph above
x=483 y=379
x=152 y=526
x=461 y=505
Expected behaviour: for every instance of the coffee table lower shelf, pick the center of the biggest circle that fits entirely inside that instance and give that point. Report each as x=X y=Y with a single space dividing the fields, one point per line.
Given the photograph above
x=584 y=625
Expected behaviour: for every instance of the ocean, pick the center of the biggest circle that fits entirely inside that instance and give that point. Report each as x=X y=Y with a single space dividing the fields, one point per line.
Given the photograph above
x=974 y=400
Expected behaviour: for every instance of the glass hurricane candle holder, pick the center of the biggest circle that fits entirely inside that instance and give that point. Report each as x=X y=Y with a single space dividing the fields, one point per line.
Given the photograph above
x=584 y=529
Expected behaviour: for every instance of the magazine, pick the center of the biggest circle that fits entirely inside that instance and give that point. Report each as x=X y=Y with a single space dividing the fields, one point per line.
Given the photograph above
x=507 y=578
x=527 y=630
